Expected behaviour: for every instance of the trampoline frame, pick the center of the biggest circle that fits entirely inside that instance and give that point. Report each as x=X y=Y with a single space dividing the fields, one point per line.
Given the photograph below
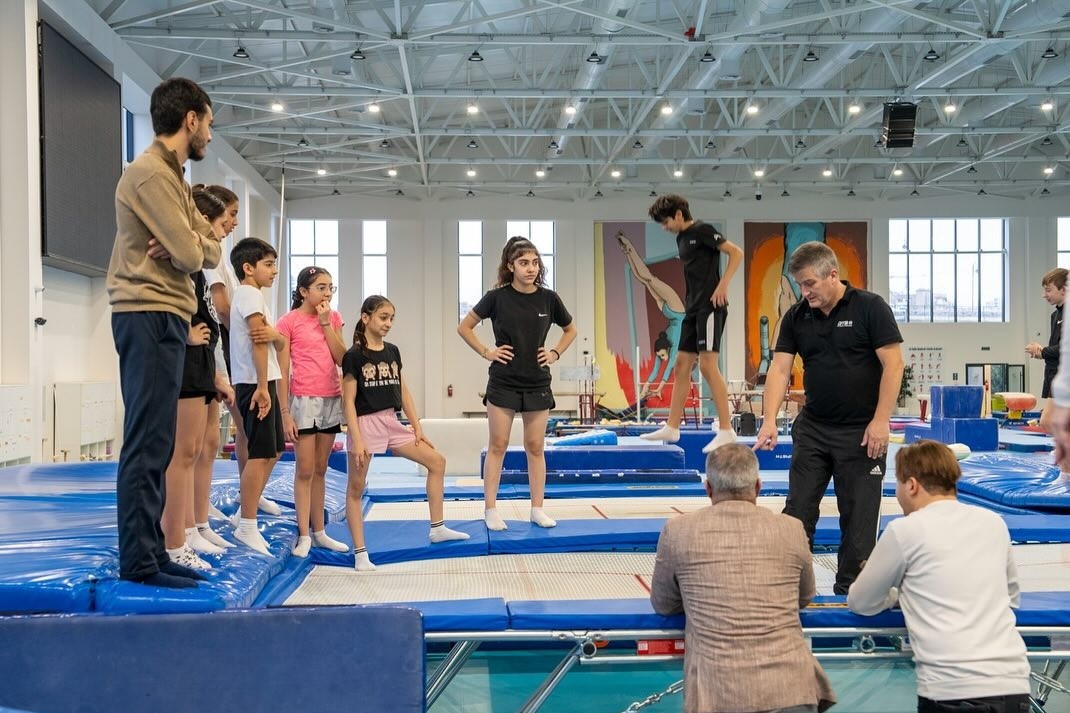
x=585 y=652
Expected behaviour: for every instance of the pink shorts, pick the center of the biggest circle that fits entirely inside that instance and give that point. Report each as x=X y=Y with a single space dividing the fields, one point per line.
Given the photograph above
x=381 y=430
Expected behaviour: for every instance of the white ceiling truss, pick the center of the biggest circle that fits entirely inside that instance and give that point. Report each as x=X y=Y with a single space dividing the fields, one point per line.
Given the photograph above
x=792 y=89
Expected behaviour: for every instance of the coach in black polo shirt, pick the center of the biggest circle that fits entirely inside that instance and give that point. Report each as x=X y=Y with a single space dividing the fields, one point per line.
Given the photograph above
x=852 y=365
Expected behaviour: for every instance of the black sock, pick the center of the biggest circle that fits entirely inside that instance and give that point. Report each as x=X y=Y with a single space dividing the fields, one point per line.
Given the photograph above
x=176 y=570
x=162 y=579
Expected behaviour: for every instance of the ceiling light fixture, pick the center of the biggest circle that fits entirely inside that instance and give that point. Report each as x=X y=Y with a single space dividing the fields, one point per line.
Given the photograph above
x=384 y=144
x=1048 y=170
x=666 y=109
x=827 y=172
x=915 y=192
x=391 y=172
x=931 y=55
x=553 y=145
x=336 y=192
x=357 y=55
x=638 y=144
x=653 y=193
x=615 y=173
x=302 y=143
x=854 y=109
x=851 y=193
x=530 y=193
x=470 y=194
x=962 y=143
x=570 y=109
x=971 y=169
x=472 y=108
x=1049 y=53
x=752 y=109
x=811 y=56
x=321 y=172
x=471 y=173
x=758 y=173
x=399 y=192
x=1048 y=105
x=472 y=144
x=475 y=56
x=1046 y=141
x=710 y=144
x=277 y=106
x=539 y=173
x=678 y=173
x=950 y=108
x=1045 y=192
x=800 y=144
x=240 y=53
x=598 y=193
x=982 y=192
x=707 y=58
x=784 y=193
x=727 y=193
x=593 y=58
x=897 y=172
x=374 y=108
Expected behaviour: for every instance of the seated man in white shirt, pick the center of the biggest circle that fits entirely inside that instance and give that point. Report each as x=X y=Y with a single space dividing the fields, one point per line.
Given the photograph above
x=950 y=567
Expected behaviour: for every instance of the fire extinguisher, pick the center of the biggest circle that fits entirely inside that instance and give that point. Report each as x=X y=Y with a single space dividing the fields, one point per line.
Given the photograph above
x=449 y=390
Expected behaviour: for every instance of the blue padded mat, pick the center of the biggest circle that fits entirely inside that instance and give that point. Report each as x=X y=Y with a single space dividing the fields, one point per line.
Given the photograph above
x=1025 y=441
x=693 y=440
x=1015 y=480
x=638 y=457
x=336 y=460
x=403 y=541
x=280 y=488
x=464 y=614
x=592 y=437
x=237 y=577
x=605 y=477
x=578 y=536
x=112 y=664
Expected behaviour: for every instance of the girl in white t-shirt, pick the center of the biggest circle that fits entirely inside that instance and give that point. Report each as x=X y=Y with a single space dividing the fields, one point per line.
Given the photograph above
x=313 y=417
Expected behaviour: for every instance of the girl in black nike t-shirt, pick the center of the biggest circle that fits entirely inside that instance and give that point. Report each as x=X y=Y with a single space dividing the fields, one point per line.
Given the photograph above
x=521 y=309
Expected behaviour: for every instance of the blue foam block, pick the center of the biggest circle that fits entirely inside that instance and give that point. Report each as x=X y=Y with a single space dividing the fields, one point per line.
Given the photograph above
x=112 y=664
x=583 y=614
x=631 y=535
x=606 y=477
x=1025 y=441
x=980 y=434
x=595 y=437
x=955 y=401
x=916 y=432
x=597 y=457
x=403 y=541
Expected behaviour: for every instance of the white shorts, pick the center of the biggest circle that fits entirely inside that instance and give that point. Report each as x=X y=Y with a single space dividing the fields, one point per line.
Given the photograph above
x=317 y=413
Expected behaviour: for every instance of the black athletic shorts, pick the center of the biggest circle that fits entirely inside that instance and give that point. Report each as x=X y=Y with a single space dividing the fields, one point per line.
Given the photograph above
x=198 y=373
x=265 y=436
x=701 y=330
x=520 y=401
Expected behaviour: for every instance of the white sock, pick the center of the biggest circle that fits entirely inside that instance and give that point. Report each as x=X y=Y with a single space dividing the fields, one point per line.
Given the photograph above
x=441 y=533
x=302 y=546
x=723 y=438
x=494 y=520
x=665 y=433
x=269 y=506
x=215 y=512
x=361 y=562
x=212 y=536
x=542 y=519
x=248 y=534
x=200 y=544
x=186 y=557
x=322 y=539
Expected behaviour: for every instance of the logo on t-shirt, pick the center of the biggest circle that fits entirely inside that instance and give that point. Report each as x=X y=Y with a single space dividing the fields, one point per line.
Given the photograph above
x=845 y=323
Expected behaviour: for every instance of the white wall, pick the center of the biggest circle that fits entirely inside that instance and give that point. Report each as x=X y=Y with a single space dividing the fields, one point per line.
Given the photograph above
x=422 y=276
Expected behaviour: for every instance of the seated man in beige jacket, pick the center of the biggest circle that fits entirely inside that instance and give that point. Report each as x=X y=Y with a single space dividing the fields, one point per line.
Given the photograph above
x=740 y=573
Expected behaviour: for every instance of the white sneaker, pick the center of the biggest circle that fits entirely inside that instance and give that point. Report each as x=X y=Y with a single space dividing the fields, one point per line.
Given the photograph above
x=723 y=439
x=668 y=434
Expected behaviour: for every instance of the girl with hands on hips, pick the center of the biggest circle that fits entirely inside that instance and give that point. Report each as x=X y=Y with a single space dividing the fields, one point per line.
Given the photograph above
x=521 y=310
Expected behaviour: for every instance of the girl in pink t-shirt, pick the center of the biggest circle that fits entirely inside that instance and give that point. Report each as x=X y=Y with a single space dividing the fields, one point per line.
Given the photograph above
x=314 y=414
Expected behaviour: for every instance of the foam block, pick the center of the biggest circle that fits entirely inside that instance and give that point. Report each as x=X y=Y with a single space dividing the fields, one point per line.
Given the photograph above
x=955 y=401
x=916 y=432
x=980 y=434
x=599 y=457
x=595 y=437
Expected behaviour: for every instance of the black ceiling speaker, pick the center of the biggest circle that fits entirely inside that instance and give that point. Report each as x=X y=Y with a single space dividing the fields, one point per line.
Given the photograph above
x=897 y=128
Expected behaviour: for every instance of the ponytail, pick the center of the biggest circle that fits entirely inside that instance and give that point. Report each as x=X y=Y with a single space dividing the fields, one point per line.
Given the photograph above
x=371 y=303
x=305 y=278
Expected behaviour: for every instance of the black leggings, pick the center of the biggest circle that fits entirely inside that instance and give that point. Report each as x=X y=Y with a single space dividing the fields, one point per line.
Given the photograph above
x=1018 y=703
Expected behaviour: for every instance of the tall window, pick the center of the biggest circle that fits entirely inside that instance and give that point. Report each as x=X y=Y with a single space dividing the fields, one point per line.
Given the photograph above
x=469 y=265
x=948 y=270
x=1062 y=242
x=540 y=232
x=314 y=242
x=374 y=257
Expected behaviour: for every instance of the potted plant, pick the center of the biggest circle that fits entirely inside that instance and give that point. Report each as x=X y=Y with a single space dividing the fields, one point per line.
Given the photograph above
x=906 y=385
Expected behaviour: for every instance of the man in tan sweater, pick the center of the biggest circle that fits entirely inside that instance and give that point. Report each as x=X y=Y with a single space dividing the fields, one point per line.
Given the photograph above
x=740 y=573
x=152 y=300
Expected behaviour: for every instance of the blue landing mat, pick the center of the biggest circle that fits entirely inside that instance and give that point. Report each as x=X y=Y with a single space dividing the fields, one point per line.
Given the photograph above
x=636 y=457
x=1015 y=480
x=403 y=541
x=113 y=664
x=1025 y=441
x=280 y=488
x=336 y=460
